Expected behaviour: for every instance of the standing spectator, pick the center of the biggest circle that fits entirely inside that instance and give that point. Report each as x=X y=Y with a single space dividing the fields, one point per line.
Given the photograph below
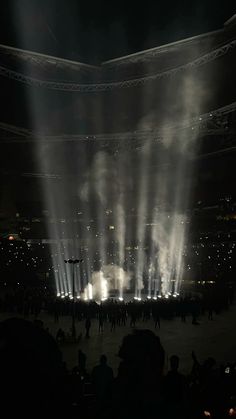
x=102 y=379
x=87 y=327
x=100 y=322
x=175 y=390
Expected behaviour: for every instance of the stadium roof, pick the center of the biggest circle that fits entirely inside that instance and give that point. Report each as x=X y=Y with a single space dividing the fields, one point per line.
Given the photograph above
x=202 y=43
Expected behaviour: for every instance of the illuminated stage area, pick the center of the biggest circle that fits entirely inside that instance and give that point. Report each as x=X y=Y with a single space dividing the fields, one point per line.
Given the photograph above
x=116 y=150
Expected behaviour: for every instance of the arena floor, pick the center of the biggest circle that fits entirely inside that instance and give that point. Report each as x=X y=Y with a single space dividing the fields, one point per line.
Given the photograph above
x=210 y=338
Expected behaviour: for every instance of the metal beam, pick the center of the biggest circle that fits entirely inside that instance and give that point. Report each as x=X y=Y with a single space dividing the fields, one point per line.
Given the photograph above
x=102 y=87
x=210 y=123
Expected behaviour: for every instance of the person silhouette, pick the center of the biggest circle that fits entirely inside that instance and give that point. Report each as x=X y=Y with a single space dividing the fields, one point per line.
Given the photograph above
x=31 y=370
x=100 y=322
x=175 y=391
x=139 y=376
x=102 y=379
x=87 y=327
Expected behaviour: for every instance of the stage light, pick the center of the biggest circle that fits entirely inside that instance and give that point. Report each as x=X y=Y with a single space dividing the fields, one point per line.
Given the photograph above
x=11 y=237
x=149 y=297
x=121 y=298
x=90 y=291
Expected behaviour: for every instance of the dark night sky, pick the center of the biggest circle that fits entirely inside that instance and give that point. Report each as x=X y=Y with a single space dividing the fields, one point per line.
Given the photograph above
x=94 y=31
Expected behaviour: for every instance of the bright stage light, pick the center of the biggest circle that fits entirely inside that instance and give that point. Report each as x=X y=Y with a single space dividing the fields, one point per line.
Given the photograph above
x=149 y=297
x=90 y=291
x=121 y=298
x=58 y=294
x=155 y=298
x=159 y=296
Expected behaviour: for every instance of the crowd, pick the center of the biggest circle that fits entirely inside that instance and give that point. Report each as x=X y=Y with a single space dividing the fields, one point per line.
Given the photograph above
x=115 y=313
x=37 y=383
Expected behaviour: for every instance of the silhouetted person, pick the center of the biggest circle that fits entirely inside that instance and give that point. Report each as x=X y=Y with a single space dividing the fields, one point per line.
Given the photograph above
x=113 y=321
x=31 y=371
x=175 y=390
x=123 y=318
x=194 y=311
x=87 y=327
x=138 y=384
x=102 y=379
x=133 y=320
x=100 y=322
x=211 y=392
x=156 y=318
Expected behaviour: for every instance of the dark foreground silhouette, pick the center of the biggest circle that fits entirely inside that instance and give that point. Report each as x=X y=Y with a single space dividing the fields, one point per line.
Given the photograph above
x=36 y=383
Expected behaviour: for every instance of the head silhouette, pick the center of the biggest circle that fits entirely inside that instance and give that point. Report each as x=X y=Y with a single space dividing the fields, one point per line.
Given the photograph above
x=103 y=360
x=30 y=365
x=142 y=361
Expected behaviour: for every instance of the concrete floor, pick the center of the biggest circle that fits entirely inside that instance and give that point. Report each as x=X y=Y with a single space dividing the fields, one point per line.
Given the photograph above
x=215 y=338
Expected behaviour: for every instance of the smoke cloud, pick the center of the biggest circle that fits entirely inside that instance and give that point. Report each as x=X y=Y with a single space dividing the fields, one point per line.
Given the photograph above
x=110 y=277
